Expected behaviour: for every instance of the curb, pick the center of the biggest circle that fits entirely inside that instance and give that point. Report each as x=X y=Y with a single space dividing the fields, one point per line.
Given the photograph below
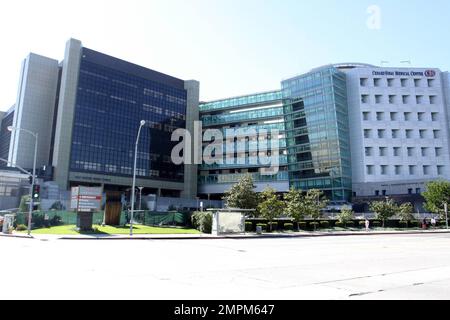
x=16 y=236
x=255 y=237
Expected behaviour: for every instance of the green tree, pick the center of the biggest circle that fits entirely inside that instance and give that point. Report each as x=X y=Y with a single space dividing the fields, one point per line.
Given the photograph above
x=384 y=209
x=295 y=205
x=24 y=206
x=271 y=207
x=242 y=195
x=315 y=202
x=346 y=215
x=406 y=212
x=437 y=193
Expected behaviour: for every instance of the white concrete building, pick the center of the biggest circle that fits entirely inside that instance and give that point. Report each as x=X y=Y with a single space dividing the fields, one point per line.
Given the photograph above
x=399 y=129
x=35 y=108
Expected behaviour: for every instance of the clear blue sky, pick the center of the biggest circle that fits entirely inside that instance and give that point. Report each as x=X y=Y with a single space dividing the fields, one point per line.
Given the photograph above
x=232 y=46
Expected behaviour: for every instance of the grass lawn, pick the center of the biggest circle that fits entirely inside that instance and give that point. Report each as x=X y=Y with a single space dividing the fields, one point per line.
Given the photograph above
x=108 y=230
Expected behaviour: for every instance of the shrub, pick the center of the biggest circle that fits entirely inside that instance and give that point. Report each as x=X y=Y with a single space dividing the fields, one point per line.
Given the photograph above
x=58 y=206
x=249 y=226
x=339 y=225
x=272 y=226
x=403 y=224
x=303 y=225
x=414 y=224
x=202 y=221
x=314 y=225
x=21 y=227
x=56 y=221
x=376 y=224
x=350 y=224
x=362 y=224
x=288 y=226
x=324 y=224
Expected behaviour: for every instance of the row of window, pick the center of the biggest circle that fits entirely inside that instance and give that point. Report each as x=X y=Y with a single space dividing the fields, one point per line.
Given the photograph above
x=412 y=170
x=385 y=193
x=398 y=151
x=398 y=134
x=401 y=116
x=392 y=82
x=399 y=99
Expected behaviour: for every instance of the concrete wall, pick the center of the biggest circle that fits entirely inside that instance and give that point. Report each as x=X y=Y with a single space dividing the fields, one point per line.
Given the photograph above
x=66 y=113
x=192 y=115
x=35 y=107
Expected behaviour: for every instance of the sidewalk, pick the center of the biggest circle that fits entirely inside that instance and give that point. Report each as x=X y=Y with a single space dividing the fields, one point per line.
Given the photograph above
x=249 y=236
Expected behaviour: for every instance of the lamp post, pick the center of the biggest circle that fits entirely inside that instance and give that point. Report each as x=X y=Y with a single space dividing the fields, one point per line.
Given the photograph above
x=33 y=178
x=134 y=177
x=446 y=214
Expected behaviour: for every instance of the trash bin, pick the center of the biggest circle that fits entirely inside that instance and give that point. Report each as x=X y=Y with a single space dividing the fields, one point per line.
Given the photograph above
x=259 y=230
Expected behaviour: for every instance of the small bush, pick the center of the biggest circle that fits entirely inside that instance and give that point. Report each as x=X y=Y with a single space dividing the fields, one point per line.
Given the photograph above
x=314 y=225
x=339 y=225
x=362 y=224
x=376 y=224
x=403 y=224
x=324 y=224
x=202 y=221
x=21 y=227
x=248 y=226
x=303 y=225
x=350 y=224
x=288 y=226
x=56 y=221
x=272 y=226
x=414 y=224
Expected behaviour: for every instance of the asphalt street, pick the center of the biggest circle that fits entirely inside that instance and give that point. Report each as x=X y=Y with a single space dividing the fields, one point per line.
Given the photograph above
x=354 y=267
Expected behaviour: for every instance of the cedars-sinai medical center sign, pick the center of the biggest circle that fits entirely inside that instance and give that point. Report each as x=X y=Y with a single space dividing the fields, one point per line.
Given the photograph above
x=427 y=73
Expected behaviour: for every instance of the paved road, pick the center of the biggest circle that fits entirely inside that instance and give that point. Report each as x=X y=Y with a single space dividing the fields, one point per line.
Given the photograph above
x=363 y=267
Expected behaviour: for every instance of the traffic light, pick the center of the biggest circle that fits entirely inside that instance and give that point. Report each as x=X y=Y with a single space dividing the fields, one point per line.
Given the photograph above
x=30 y=179
x=36 y=192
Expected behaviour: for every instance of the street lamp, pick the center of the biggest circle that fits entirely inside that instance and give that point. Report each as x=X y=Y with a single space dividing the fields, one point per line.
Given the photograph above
x=33 y=180
x=134 y=177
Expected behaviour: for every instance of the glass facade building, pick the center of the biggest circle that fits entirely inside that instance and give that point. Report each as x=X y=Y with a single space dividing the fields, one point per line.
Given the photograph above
x=5 y=136
x=113 y=97
x=317 y=132
x=257 y=113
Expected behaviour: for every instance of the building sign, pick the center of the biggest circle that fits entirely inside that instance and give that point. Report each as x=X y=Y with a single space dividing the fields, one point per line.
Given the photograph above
x=427 y=73
x=86 y=199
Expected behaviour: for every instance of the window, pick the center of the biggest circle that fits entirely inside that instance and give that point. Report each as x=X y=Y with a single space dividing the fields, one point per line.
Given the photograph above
x=398 y=170
x=390 y=82
x=419 y=100
x=397 y=151
x=409 y=133
x=381 y=133
x=367 y=133
x=392 y=99
x=440 y=170
x=423 y=134
x=405 y=99
x=384 y=192
x=369 y=152
x=365 y=98
x=363 y=82
x=370 y=170
x=412 y=170
x=377 y=82
x=421 y=116
x=394 y=116
x=417 y=83
x=433 y=99
x=378 y=99
x=384 y=170
x=426 y=170
x=395 y=134
x=425 y=152
x=438 y=152
x=404 y=82
x=437 y=134
x=383 y=152
x=418 y=191
x=435 y=116
x=410 y=191
x=408 y=116
x=366 y=116
x=410 y=152
x=430 y=83
x=377 y=193
x=380 y=116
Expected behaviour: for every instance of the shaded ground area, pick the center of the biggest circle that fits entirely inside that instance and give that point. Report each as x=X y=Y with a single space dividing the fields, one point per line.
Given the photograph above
x=354 y=267
x=108 y=230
